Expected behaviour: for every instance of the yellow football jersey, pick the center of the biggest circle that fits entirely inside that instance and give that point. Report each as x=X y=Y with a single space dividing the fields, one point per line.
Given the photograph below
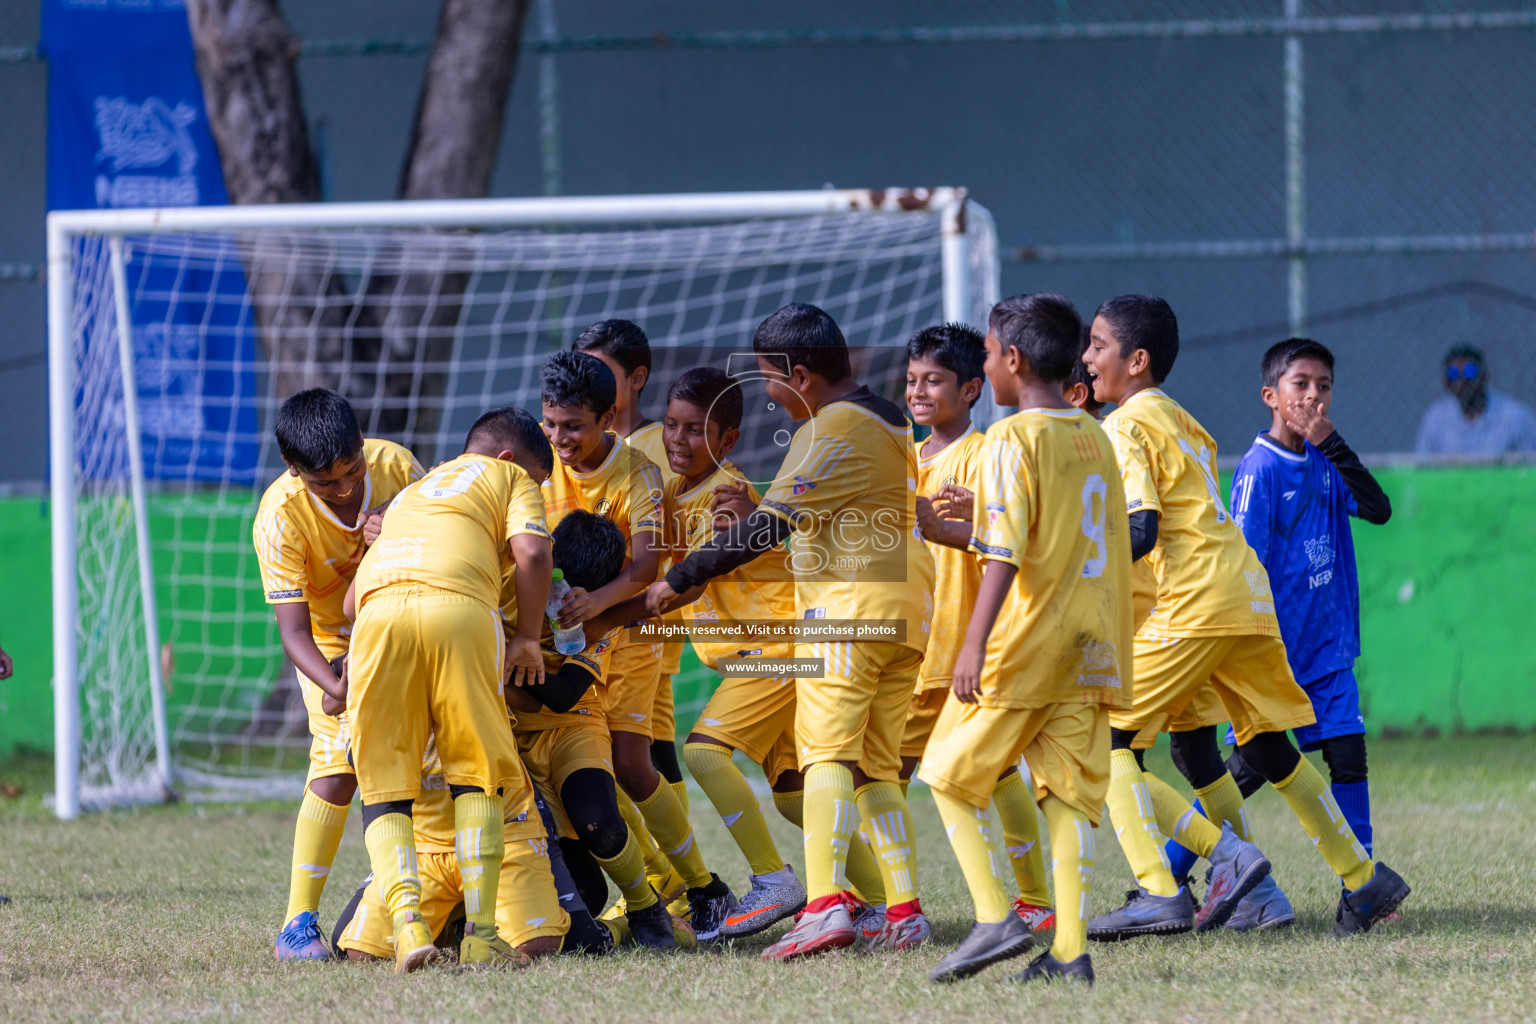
x=763 y=589
x=626 y=489
x=306 y=554
x=848 y=485
x=451 y=529
x=1209 y=581
x=595 y=660
x=648 y=440
x=432 y=813
x=1050 y=504
x=957 y=574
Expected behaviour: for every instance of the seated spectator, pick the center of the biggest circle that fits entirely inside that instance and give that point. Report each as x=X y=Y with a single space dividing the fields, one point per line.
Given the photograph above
x=1473 y=418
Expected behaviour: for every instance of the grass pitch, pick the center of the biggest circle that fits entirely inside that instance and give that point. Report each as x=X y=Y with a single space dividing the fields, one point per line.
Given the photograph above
x=169 y=914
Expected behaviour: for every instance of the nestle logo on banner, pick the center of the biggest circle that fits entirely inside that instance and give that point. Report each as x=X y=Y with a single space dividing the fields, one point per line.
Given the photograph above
x=143 y=136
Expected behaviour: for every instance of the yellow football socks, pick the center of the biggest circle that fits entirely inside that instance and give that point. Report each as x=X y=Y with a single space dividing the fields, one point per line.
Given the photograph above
x=315 y=839
x=627 y=870
x=1015 y=802
x=887 y=822
x=791 y=806
x=391 y=843
x=829 y=814
x=1223 y=803
x=1178 y=819
x=717 y=775
x=978 y=848
x=657 y=868
x=1072 y=872
x=1314 y=804
x=862 y=872
x=681 y=789
x=479 y=842
x=1135 y=821
x=668 y=822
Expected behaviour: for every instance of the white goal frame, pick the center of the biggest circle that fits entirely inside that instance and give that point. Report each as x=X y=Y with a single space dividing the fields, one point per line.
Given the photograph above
x=961 y=224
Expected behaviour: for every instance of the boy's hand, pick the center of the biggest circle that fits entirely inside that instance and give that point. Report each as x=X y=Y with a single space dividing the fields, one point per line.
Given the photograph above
x=927 y=519
x=659 y=597
x=731 y=502
x=5 y=665
x=333 y=705
x=525 y=662
x=1308 y=420
x=373 y=522
x=955 y=502
x=579 y=606
x=966 y=682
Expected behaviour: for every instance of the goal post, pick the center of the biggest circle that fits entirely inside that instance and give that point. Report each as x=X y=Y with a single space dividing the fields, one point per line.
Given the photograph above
x=174 y=334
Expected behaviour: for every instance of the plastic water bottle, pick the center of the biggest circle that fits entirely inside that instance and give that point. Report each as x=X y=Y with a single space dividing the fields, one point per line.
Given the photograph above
x=567 y=641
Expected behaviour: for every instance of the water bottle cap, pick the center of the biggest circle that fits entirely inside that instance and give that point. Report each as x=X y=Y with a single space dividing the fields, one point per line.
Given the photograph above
x=557 y=576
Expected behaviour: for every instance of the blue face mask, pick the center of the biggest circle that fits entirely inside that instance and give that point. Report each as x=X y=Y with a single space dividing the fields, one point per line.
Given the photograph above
x=1466 y=371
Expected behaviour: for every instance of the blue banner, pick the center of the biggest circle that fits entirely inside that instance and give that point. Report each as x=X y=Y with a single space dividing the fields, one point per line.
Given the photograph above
x=127 y=128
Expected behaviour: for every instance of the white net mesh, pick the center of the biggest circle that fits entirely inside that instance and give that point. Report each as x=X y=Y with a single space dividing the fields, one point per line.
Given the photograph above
x=423 y=331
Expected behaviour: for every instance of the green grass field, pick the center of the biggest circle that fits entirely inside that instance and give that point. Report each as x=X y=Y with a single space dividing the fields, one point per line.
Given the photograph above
x=168 y=914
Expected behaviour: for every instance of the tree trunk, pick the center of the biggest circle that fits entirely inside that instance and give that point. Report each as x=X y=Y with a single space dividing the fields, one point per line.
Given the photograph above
x=387 y=353
x=452 y=153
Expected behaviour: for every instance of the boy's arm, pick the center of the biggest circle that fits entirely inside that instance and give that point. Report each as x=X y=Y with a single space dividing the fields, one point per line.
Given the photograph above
x=996 y=578
x=638 y=574
x=1307 y=420
x=1373 y=504
x=299 y=644
x=535 y=565
x=952 y=533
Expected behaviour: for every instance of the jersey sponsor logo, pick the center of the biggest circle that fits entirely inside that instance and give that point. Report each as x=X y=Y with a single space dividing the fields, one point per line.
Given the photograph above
x=1098 y=655
x=991 y=549
x=1262 y=607
x=1132 y=506
x=995 y=510
x=536 y=527
x=801 y=485
x=283 y=595
x=1321 y=579
x=1319 y=552
x=1258 y=583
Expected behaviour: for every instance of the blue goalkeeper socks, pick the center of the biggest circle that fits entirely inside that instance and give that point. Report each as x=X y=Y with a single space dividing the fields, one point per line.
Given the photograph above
x=1181 y=861
x=1354 y=799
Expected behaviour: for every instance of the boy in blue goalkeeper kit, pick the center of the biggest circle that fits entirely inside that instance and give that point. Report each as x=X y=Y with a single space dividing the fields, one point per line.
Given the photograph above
x=1293 y=495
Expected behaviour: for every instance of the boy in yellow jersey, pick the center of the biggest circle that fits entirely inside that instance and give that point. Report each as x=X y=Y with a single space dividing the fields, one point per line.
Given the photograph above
x=751 y=713
x=429 y=659
x=944 y=381
x=1046 y=653
x=1213 y=622
x=564 y=741
x=625 y=350
x=595 y=472
x=309 y=539
x=847 y=493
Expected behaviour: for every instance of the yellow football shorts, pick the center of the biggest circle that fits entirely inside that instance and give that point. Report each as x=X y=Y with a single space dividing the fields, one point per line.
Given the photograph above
x=428 y=661
x=922 y=716
x=857 y=711
x=329 y=736
x=550 y=756
x=749 y=714
x=1249 y=675
x=1065 y=745
x=527 y=906
x=663 y=715
x=629 y=689
x=1205 y=709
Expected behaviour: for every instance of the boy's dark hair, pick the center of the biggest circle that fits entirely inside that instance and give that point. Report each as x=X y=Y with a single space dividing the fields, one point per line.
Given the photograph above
x=1045 y=328
x=1280 y=357
x=621 y=339
x=511 y=429
x=317 y=429
x=589 y=549
x=959 y=348
x=807 y=336
x=713 y=390
x=1146 y=322
x=576 y=379
x=1080 y=374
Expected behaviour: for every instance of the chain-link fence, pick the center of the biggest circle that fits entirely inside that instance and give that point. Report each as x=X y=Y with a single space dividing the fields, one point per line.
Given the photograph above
x=1355 y=169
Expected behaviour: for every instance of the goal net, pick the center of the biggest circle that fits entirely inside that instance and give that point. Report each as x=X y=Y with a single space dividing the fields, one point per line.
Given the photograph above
x=169 y=675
